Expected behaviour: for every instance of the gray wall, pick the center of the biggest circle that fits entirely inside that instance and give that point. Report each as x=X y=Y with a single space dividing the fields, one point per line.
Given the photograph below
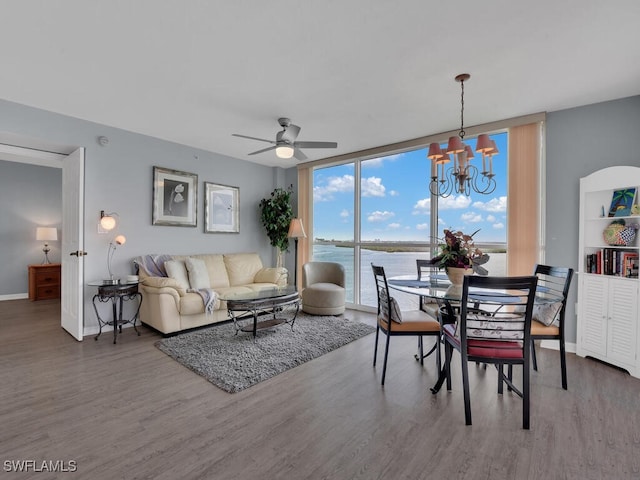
x=30 y=197
x=118 y=178
x=580 y=141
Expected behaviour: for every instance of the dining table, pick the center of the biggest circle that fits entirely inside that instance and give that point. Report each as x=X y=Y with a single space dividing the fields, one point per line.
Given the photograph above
x=437 y=288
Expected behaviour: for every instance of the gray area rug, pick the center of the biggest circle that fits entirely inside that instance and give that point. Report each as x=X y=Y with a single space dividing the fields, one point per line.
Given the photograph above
x=235 y=362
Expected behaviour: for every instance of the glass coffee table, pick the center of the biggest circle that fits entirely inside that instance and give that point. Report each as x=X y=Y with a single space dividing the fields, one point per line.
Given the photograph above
x=268 y=308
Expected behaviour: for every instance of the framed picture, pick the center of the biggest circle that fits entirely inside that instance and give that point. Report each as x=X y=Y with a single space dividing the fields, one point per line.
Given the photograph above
x=175 y=197
x=221 y=208
x=621 y=202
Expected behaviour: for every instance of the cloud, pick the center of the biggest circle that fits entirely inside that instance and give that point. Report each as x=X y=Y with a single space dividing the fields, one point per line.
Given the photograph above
x=491 y=218
x=344 y=213
x=379 y=216
x=325 y=193
x=498 y=226
x=394 y=193
x=422 y=207
x=452 y=203
x=394 y=226
x=471 y=217
x=422 y=226
x=372 y=187
x=494 y=205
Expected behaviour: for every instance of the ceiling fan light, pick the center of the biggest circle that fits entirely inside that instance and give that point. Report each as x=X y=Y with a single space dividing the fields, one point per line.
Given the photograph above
x=284 y=151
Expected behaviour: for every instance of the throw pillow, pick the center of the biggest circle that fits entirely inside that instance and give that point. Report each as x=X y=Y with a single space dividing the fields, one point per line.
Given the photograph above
x=546 y=313
x=177 y=270
x=396 y=313
x=198 y=275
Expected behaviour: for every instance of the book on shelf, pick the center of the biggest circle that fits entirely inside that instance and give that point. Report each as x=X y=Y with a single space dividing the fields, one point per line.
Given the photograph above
x=612 y=261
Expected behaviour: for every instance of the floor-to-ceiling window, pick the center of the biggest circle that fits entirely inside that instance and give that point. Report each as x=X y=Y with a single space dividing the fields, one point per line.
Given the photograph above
x=379 y=210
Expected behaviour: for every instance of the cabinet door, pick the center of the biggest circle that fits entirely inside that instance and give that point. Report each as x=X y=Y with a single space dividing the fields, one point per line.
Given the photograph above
x=594 y=315
x=622 y=320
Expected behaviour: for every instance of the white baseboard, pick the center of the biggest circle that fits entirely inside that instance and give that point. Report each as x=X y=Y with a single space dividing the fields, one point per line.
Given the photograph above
x=15 y=296
x=555 y=345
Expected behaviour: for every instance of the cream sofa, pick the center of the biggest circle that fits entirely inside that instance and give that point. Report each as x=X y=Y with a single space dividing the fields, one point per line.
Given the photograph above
x=169 y=306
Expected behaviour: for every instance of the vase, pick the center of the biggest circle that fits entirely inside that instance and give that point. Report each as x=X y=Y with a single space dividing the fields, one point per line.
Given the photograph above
x=456 y=274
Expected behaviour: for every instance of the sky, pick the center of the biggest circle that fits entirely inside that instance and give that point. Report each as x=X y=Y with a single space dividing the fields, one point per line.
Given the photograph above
x=396 y=200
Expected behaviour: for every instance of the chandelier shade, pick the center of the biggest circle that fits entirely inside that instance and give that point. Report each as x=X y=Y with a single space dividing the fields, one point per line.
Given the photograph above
x=462 y=177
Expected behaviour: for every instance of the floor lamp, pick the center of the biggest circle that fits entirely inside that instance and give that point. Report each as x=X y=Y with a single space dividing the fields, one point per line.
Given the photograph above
x=296 y=231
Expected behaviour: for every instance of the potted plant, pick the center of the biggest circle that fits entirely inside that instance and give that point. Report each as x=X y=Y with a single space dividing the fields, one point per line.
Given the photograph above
x=276 y=213
x=459 y=256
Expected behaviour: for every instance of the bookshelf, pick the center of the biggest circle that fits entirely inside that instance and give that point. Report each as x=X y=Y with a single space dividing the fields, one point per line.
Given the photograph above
x=608 y=289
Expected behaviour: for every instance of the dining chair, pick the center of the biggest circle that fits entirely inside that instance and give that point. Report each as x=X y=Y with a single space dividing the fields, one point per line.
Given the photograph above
x=494 y=327
x=548 y=318
x=392 y=321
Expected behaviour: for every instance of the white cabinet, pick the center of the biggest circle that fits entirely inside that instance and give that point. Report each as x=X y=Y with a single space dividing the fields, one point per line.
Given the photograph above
x=608 y=303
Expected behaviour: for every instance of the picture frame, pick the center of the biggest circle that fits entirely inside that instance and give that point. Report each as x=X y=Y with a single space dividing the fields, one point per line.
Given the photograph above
x=221 y=208
x=175 y=198
x=622 y=201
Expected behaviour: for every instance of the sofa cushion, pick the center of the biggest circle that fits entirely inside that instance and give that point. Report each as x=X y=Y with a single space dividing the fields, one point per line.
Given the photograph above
x=177 y=270
x=242 y=267
x=215 y=268
x=198 y=274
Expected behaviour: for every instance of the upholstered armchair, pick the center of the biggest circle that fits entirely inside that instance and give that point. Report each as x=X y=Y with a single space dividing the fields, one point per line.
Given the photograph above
x=323 y=288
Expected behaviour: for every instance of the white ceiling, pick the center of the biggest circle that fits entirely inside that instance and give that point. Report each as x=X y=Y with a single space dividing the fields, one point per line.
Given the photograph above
x=363 y=73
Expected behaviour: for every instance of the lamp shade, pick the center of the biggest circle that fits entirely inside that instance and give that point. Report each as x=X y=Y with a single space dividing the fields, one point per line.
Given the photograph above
x=484 y=143
x=455 y=145
x=296 y=229
x=107 y=221
x=284 y=151
x=47 y=233
x=435 y=152
x=120 y=240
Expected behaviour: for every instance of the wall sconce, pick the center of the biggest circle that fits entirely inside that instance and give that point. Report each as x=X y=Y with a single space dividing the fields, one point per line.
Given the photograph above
x=48 y=234
x=296 y=231
x=107 y=221
x=118 y=240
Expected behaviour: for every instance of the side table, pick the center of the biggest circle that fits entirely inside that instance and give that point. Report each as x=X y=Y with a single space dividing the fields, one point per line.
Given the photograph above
x=44 y=281
x=116 y=294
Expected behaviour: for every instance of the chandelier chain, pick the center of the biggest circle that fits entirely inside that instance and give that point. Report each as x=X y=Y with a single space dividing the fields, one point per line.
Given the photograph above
x=462 y=133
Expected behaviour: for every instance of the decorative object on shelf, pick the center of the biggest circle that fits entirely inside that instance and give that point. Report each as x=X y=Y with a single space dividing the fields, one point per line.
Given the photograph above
x=618 y=233
x=221 y=208
x=296 y=231
x=462 y=178
x=175 y=198
x=635 y=209
x=622 y=202
x=276 y=213
x=46 y=234
x=458 y=250
x=118 y=240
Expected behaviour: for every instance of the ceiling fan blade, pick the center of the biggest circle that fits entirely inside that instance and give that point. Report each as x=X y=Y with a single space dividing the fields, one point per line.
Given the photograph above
x=315 y=144
x=297 y=153
x=290 y=133
x=252 y=138
x=263 y=150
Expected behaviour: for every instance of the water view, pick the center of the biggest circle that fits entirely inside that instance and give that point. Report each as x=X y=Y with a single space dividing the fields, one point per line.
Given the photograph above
x=394 y=263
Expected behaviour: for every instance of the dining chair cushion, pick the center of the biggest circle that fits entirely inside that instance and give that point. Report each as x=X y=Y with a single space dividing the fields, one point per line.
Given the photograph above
x=482 y=326
x=538 y=328
x=486 y=348
x=546 y=313
x=414 y=320
x=396 y=313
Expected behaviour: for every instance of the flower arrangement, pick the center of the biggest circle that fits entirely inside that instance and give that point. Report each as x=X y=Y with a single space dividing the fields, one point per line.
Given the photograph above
x=458 y=250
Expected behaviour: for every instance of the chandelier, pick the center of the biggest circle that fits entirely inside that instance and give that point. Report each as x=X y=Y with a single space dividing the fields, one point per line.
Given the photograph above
x=462 y=177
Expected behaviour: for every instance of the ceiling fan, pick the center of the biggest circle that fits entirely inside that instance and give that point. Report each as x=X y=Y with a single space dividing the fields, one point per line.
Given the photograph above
x=285 y=144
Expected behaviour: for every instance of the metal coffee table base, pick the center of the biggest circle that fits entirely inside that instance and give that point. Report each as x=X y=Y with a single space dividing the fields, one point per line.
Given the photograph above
x=278 y=309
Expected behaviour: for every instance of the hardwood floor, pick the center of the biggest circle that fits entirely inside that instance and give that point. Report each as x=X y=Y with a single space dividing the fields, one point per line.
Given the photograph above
x=129 y=411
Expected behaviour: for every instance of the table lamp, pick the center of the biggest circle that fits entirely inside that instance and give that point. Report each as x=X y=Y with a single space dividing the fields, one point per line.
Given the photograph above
x=46 y=234
x=118 y=240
